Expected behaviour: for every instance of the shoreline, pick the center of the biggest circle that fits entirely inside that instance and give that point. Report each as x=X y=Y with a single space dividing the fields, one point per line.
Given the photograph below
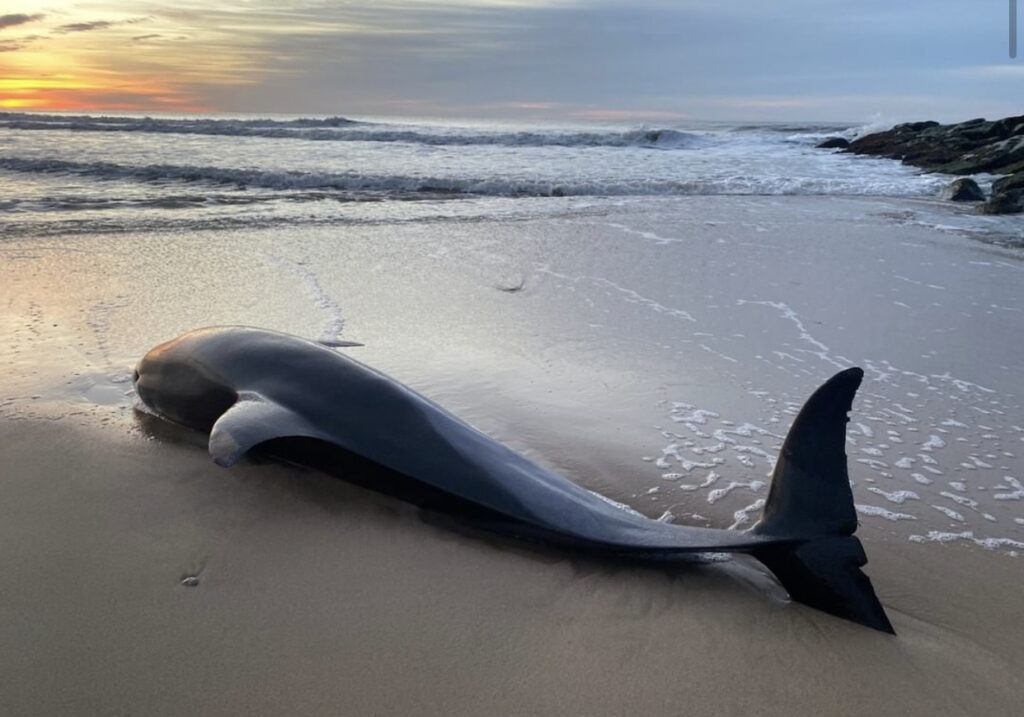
x=599 y=344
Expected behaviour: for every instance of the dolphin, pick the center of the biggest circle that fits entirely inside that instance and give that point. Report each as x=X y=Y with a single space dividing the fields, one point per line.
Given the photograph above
x=248 y=386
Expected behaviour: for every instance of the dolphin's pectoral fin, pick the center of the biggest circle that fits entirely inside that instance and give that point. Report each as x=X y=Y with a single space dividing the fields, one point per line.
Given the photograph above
x=251 y=421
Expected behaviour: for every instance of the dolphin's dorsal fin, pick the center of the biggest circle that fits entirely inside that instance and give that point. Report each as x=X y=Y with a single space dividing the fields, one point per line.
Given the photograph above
x=250 y=421
x=810 y=493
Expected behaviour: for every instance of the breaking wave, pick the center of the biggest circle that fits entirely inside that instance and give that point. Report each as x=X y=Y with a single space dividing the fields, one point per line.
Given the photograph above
x=341 y=129
x=397 y=185
x=228 y=127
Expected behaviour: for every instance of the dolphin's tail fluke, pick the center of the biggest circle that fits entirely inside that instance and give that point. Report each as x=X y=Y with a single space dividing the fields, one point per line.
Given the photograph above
x=810 y=511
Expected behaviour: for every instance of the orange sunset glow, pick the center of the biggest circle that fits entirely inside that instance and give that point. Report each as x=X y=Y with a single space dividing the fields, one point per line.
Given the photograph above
x=94 y=56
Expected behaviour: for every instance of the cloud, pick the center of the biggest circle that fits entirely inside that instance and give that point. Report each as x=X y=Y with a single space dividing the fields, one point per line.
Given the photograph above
x=17 y=19
x=18 y=43
x=95 y=25
x=991 y=71
x=82 y=26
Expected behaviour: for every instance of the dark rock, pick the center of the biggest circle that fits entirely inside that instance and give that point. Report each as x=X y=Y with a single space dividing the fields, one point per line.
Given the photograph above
x=1007 y=195
x=963 y=190
x=834 y=143
x=918 y=126
x=990 y=157
x=1011 y=181
x=977 y=133
x=969 y=123
x=1007 y=127
x=1012 y=168
x=1011 y=202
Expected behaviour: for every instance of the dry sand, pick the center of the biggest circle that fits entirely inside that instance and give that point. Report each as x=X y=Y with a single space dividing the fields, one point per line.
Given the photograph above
x=610 y=344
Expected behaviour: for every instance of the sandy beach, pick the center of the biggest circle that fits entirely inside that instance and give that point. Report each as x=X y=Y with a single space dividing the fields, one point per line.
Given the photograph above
x=651 y=350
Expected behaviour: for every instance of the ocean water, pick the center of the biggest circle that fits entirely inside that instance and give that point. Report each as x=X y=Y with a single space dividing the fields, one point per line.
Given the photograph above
x=66 y=174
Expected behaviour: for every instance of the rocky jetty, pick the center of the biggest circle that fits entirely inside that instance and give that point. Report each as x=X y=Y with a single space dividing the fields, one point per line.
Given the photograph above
x=965 y=148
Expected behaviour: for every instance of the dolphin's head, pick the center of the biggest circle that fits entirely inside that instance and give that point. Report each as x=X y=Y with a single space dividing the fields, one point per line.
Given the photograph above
x=176 y=379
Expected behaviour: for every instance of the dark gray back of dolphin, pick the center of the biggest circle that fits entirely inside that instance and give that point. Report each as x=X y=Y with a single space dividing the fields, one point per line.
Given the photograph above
x=266 y=385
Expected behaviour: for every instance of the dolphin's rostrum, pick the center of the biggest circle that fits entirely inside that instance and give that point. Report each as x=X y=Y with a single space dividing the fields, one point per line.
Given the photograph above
x=247 y=386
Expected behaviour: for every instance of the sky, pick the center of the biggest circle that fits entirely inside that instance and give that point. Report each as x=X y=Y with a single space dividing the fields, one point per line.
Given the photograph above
x=842 y=60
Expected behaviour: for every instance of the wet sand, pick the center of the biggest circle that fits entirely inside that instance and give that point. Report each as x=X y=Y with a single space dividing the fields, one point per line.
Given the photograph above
x=616 y=345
